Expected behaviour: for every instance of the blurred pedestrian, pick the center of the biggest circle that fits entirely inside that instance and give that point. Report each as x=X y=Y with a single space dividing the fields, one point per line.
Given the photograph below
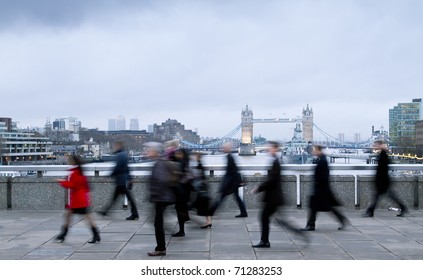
x=162 y=182
x=79 y=197
x=273 y=198
x=183 y=190
x=200 y=186
x=230 y=184
x=322 y=199
x=383 y=182
x=123 y=181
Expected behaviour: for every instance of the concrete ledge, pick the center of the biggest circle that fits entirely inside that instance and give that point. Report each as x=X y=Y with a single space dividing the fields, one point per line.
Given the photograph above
x=354 y=192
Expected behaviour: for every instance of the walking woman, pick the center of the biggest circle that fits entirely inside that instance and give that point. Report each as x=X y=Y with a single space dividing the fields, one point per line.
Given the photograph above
x=200 y=186
x=183 y=190
x=80 y=204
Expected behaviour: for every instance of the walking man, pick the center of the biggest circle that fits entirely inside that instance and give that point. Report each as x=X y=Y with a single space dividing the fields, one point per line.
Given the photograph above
x=162 y=194
x=230 y=183
x=383 y=182
x=273 y=198
x=322 y=199
x=123 y=181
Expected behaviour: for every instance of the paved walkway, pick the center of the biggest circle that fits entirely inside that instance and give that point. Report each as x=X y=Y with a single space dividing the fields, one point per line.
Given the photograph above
x=29 y=235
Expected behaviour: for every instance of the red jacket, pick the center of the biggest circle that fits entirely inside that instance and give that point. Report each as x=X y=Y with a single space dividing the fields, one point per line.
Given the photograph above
x=79 y=189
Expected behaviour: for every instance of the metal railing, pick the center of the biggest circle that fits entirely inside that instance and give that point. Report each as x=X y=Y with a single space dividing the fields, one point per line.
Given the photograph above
x=289 y=168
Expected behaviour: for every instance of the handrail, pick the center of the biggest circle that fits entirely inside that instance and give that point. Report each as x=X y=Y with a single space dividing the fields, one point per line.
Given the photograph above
x=148 y=166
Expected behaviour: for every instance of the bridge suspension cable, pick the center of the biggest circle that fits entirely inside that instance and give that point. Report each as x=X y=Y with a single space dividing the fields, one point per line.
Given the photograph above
x=214 y=144
x=362 y=144
x=326 y=134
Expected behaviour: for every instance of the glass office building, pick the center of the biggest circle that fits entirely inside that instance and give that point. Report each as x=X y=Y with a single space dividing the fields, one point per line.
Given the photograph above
x=402 y=124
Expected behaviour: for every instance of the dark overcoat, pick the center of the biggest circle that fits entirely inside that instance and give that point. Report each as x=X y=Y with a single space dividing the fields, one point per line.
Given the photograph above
x=161 y=189
x=322 y=198
x=382 y=180
x=231 y=181
x=121 y=170
x=272 y=187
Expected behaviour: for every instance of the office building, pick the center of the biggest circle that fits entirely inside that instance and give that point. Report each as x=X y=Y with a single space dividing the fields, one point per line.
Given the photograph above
x=402 y=125
x=134 y=125
x=112 y=125
x=120 y=123
x=419 y=138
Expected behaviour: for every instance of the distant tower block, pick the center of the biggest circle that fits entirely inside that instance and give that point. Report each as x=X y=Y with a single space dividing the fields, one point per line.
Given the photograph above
x=308 y=124
x=246 y=147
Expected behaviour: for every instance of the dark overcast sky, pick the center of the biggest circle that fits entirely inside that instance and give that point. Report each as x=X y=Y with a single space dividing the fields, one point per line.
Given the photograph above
x=202 y=62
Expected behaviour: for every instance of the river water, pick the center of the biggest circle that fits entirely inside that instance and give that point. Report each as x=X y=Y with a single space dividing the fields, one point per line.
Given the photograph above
x=261 y=160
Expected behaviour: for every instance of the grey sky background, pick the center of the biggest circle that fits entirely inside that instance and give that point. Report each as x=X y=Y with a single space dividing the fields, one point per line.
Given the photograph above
x=202 y=62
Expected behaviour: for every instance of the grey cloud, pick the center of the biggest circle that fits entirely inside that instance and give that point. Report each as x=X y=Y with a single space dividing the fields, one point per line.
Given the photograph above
x=198 y=61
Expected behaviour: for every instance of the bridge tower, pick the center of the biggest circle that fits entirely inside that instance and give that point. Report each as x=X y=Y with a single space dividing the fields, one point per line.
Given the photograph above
x=246 y=147
x=308 y=124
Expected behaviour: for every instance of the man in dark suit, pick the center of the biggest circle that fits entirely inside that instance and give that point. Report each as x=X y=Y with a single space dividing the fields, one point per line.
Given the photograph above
x=322 y=200
x=273 y=198
x=230 y=183
x=123 y=181
x=383 y=182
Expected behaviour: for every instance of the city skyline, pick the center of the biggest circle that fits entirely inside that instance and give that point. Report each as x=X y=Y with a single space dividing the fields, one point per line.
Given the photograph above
x=202 y=63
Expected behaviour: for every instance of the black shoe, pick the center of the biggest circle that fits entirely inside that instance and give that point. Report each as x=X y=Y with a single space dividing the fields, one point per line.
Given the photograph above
x=102 y=213
x=62 y=234
x=308 y=228
x=61 y=237
x=157 y=253
x=245 y=215
x=132 y=218
x=178 y=234
x=262 y=244
x=367 y=215
x=344 y=224
x=402 y=212
x=96 y=236
x=207 y=226
x=95 y=239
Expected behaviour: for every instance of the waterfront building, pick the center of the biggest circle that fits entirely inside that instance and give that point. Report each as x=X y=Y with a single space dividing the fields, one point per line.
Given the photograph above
x=91 y=149
x=134 y=139
x=6 y=124
x=172 y=129
x=419 y=138
x=402 y=124
x=21 y=147
x=59 y=124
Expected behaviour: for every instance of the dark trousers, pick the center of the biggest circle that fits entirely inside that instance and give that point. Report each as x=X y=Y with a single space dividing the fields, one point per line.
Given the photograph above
x=267 y=212
x=159 y=226
x=312 y=215
x=238 y=200
x=181 y=208
x=376 y=197
x=123 y=190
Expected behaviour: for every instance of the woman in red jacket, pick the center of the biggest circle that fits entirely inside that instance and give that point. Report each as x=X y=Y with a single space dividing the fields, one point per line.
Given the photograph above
x=80 y=203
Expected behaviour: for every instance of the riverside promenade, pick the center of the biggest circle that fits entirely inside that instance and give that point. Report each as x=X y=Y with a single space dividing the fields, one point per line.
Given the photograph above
x=30 y=235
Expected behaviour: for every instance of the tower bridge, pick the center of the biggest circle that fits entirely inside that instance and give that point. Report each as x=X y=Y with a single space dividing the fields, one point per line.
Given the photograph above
x=246 y=145
x=304 y=123
x=247 y=121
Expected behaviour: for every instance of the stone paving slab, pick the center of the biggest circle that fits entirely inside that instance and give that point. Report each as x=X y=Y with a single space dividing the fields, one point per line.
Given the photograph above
x=30 y=235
